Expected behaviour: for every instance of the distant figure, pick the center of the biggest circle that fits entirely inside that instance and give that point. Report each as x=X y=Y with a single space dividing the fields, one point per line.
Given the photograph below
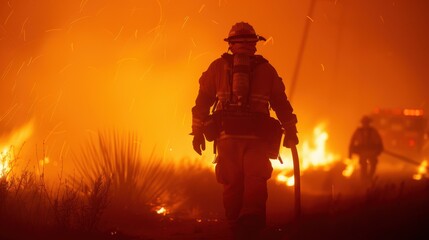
x=242 y=87
x=368 y=145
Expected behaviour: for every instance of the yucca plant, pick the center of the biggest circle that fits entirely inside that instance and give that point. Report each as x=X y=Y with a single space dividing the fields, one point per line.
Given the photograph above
x=135 y=183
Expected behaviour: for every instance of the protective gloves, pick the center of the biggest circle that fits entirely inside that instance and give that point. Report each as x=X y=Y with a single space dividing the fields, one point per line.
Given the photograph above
x=199 y=143
x=291 y=137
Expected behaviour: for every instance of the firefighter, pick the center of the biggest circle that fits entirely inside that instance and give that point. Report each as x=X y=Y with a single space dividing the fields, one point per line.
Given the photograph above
x=368 y=145
x=240 y=88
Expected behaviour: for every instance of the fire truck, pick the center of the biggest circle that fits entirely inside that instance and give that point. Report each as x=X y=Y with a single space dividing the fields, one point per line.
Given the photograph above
x=404 y=132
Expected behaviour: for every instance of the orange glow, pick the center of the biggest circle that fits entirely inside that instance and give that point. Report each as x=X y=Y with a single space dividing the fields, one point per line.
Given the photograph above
x=11 y=146
x=351 y=165
x=5 y=158
x=79 y=66
x=313 y=155
x=413 y=112
x=161 y=211
x=422 y=171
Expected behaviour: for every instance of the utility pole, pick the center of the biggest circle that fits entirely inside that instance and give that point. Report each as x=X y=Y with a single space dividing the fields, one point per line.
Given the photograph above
x=301 y=49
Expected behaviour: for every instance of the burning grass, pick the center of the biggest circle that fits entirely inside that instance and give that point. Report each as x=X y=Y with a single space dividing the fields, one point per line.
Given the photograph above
x=114 y=190
x=112 y=187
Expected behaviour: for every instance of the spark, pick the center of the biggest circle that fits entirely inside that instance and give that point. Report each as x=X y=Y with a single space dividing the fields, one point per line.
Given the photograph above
x=125 y=60
x=310 y=18
x=186 y=20
x=75 y=21
x=35 y=59
x=160 y=12
x=189 y=56
x=214 y=21
x=65 y=68
x=119 y=33
x=52 y=131
x=23 y=26
x=72 y=46
x=8 y=112
x=24 y=23
x=136 y=33
x=270 y=39
x=6 y=71
x=153 y=29
x=323 y=67
x=13 y=114
x=78 y=20
x=53 y=30
x=193 y=42
x=32 y=89
x=100 y=11
x=382 y=19
x=157 y=35
x=146 y=72
x=201 y=8
x=14 y=85
x=82 y=5
x=56 y=105
x=7 y=19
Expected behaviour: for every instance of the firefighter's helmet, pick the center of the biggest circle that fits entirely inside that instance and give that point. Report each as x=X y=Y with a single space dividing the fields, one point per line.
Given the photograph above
x=243 y=32
x=366 y=120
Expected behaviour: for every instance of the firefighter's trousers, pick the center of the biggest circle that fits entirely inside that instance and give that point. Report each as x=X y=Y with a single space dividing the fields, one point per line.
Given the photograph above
x=244 y=168
x=368 y=165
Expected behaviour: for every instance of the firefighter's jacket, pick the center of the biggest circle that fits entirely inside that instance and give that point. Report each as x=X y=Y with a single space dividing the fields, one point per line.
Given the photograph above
x=266 y=91
x=366 y=141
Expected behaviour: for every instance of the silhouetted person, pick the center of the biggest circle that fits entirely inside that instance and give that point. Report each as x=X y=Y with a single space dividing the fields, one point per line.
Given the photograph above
x=368 y=145
x=242 y=87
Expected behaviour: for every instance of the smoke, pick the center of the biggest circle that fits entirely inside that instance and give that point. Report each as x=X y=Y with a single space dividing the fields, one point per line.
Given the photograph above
x=76 y=67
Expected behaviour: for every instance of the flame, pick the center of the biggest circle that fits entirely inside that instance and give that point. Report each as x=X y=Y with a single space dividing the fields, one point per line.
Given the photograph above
x=313 y=156
x=288 y=180
x=44 y=161
x=350 y=166
x=161 y=211
x=421 y=171
x=7 y=155
x=5 y=158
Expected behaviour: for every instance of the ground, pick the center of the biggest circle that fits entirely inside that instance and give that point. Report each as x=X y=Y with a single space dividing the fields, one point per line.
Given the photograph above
x=392 y=206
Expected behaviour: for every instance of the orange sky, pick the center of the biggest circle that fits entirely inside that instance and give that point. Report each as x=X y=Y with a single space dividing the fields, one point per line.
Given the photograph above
x=75 y=67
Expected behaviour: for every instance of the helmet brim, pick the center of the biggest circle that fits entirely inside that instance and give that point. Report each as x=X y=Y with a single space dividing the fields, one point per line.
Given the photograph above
x=253 y=38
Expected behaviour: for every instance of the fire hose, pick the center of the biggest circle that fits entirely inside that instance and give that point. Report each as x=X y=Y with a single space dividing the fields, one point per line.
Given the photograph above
x=297 y=179
x=403 y=158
